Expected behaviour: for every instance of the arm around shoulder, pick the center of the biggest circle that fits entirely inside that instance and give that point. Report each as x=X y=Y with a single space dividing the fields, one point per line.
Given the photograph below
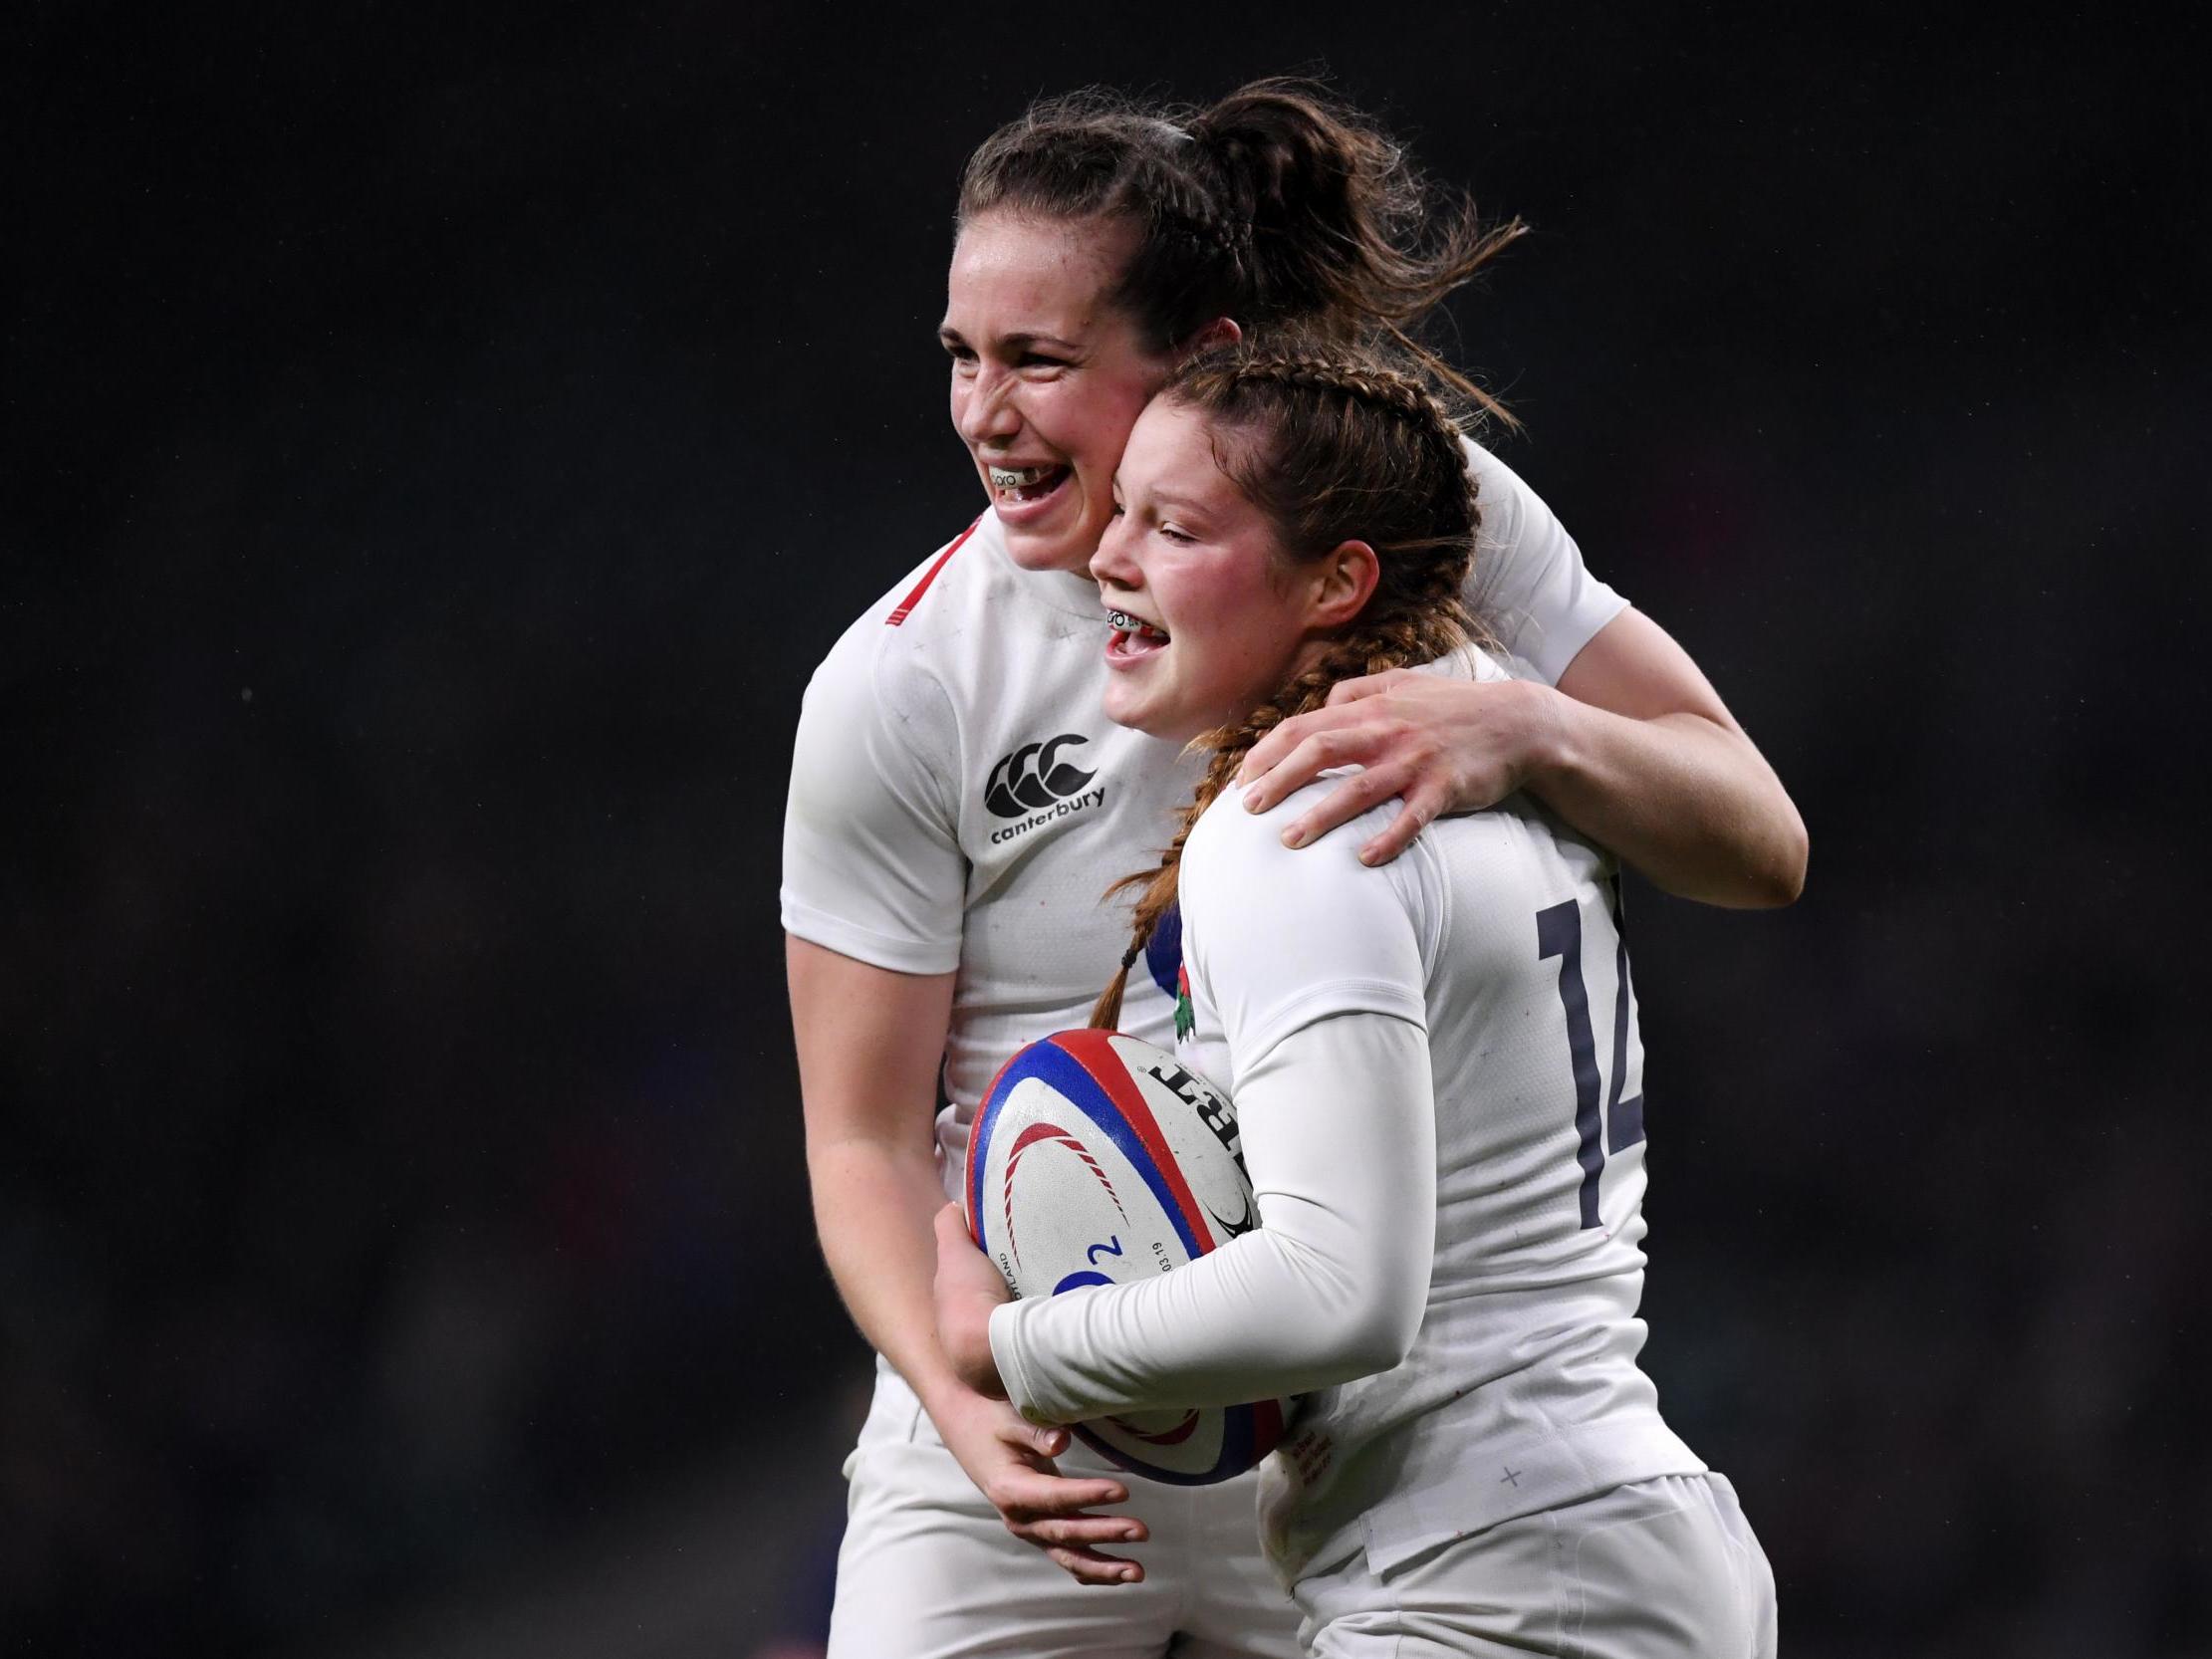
x=1633 y=749
x=1643 y=757
x=1632 y=745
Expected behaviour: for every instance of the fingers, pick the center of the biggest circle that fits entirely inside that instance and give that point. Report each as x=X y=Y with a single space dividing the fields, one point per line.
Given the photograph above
x=1422 y=807
x=1368 y=685
x=1079 y=1531
x=952 y=1230
x=962 y=1267
x=1028 y=1497
x=1271 y=749
x=1047 y=1442
x=1088 y=1567
x=1052 y=1511
x=1312 y=744
x=1345 y=802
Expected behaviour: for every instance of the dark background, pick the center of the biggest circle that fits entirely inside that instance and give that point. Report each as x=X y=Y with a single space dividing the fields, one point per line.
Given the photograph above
x=437 y=448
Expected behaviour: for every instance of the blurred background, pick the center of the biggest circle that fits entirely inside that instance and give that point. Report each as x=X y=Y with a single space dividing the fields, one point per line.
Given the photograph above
x=437 y=447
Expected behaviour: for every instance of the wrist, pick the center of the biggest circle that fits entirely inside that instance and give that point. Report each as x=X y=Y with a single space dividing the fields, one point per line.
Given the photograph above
x=940 y=1388
x=966 y=1367
x=1552 y=749
x=947 y=1397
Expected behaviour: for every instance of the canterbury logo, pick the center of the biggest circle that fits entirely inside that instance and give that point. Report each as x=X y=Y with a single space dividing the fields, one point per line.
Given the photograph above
x=1035 y=778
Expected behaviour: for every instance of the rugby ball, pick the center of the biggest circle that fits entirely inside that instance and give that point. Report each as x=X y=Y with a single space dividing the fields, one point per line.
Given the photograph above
x=1097 y=1159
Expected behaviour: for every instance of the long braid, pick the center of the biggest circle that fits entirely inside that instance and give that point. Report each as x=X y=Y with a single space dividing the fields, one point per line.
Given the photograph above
x=1348 y=447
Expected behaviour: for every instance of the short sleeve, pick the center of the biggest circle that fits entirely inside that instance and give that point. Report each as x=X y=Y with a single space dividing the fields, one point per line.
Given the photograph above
x=872 y=866
x=1528 y=582
x=1281 y=939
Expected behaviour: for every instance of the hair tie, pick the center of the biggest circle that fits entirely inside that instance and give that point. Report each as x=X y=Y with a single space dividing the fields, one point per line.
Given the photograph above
x=1129 y=957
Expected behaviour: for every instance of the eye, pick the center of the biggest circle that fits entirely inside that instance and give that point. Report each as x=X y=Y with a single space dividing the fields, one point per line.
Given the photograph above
x=1180 y=538
x=1040 y=359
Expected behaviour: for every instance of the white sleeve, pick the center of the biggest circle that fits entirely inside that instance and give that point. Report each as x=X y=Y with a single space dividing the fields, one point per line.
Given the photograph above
x=872 y=866
x=1528 y=582
x=1331 y=1287
x=1315 y=966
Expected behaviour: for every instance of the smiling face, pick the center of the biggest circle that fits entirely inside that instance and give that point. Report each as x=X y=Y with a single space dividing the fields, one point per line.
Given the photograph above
x=1223 y=616
x=1047 y=376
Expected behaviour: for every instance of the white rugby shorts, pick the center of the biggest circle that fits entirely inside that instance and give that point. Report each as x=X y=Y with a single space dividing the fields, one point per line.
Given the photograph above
x=1664 y=1568
x=928 y=1570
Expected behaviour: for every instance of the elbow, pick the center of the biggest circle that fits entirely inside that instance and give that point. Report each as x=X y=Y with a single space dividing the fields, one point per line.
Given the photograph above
x=1773 y=884
x=1794 y=888
x=1375 y=1353
x=1376 y=1337
x=1766 y=832
x=1786 y=871
x=1772 y=876
x=1790 y=849
x=1357 y=1293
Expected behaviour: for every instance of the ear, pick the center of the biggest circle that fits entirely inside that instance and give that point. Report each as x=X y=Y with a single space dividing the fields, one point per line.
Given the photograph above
x=1222 y=331
x=1342 y=583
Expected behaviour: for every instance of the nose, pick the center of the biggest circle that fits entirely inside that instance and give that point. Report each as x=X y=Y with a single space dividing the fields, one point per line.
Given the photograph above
x=1113 y=566
x=983 y=411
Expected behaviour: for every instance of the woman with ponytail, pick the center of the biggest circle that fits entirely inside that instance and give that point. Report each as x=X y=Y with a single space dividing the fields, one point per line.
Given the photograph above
x=1437 y=1077
x=958 y=801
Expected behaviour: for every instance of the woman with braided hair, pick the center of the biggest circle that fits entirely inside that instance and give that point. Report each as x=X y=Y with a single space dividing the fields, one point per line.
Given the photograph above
x=958 y=804
x=1437 y=1077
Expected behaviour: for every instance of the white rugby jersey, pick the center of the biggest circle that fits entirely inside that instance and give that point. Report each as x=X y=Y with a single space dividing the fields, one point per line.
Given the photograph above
x=959 y=801
x=1497 y=936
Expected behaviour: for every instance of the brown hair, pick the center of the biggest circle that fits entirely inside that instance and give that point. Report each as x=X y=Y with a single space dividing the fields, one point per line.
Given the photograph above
x=1276 y=206
x=1333 y=445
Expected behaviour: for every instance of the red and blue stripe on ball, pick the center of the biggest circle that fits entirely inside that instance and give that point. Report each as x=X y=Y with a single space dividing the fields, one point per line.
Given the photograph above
x=1082 y=1068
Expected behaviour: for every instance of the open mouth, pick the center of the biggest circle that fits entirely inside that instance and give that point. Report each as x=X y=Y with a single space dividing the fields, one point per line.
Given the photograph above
x=1132 y=635
x=1013 y=486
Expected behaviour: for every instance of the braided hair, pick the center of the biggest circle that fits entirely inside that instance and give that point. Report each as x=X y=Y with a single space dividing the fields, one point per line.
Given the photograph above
x=1276 y=206
x=1331 y=445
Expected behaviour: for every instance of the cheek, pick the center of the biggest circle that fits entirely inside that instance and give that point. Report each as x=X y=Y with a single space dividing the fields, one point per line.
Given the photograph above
x=1099 y=425
x=1097 y=441
x=1251 y=640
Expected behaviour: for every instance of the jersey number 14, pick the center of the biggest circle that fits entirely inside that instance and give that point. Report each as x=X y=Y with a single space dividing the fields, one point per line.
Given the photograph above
x=1559 y=932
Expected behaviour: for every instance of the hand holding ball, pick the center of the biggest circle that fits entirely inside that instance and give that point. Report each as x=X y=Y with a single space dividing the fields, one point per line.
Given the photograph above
x=968 y=1287
x=1097 y=1161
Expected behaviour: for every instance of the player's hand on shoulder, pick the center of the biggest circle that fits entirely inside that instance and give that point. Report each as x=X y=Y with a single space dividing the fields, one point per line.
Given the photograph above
x=1010 y=1460
x=1442 y=745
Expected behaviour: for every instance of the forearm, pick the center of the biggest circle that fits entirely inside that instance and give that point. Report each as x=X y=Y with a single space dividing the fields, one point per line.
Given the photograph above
x=1332 y=1287
x=867 y=1042
x=1259 y=1318
x=873 y=1207
x=1633 y=748
x=1685 y=800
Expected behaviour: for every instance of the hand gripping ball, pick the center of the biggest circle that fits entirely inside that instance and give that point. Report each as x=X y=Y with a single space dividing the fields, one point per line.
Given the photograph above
x=1097 y=1159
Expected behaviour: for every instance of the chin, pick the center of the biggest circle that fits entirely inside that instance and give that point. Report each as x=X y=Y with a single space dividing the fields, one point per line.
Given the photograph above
x=1137 y=716
x=1121 y=713
x=1063 y=540
x=1048 y=552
